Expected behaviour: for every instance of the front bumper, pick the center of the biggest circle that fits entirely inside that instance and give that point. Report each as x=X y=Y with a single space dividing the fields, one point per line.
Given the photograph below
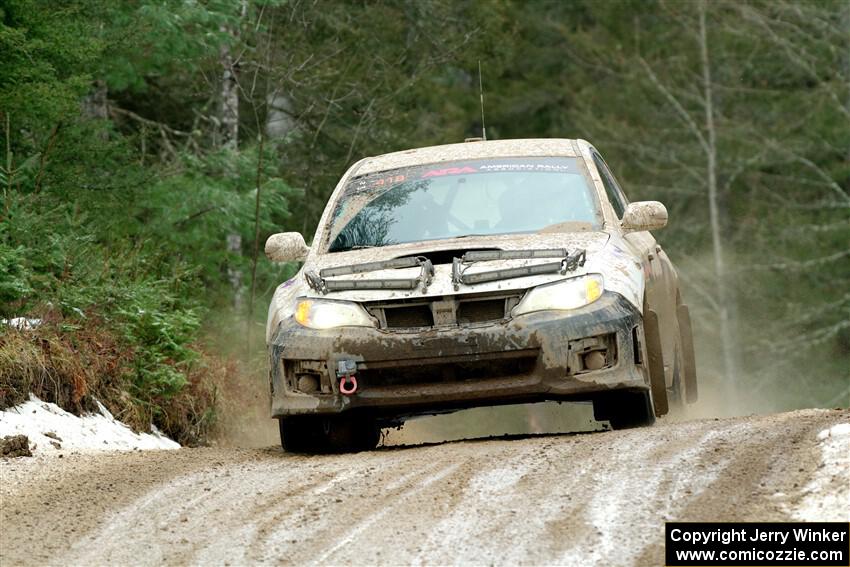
x=534 y=357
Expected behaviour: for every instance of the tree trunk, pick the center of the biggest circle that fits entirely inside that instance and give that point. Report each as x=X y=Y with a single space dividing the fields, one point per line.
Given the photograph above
x=256 y=251
x=228 y=112
x=723 y=296
x=228 y=137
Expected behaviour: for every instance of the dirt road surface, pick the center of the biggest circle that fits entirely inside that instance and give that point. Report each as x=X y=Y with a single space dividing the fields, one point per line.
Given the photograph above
x=587 y=499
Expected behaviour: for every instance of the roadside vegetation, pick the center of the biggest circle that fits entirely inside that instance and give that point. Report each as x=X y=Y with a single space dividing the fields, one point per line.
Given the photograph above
x=150 y=147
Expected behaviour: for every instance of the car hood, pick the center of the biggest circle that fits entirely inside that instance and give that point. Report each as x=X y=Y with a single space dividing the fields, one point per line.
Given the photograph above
x=606 y=253
x=441 y=284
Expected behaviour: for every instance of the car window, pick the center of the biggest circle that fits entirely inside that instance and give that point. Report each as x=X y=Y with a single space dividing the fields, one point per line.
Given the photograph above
x=612 y=188
x=453 y=199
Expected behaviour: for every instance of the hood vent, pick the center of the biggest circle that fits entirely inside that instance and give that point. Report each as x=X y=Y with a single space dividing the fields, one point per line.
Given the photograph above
x=441 y=257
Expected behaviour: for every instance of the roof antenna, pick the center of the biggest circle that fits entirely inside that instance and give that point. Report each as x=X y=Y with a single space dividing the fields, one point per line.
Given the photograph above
x=481 y=92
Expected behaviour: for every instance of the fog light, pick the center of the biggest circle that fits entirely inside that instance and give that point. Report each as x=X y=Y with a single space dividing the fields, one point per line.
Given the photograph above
x=308 y=383
x=594 y=360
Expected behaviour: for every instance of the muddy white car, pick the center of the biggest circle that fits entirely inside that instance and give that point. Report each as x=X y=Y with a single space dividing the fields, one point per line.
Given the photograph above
x=474 y=274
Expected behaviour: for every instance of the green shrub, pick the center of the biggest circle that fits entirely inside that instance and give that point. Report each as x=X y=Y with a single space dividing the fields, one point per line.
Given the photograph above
x=14 y=278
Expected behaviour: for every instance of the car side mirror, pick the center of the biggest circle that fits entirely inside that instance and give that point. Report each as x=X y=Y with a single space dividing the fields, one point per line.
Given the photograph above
x=286 y=247
x=644 y=215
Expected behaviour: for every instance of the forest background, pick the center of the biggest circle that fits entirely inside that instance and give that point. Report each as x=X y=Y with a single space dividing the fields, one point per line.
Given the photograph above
x=148 y=148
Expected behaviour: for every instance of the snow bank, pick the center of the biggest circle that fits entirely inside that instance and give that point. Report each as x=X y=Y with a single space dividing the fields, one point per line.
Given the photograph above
x=21 y=323
x=51 y=429
x=827 y=496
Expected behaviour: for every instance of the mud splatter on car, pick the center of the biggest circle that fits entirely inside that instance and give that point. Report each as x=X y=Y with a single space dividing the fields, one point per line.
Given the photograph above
x=475 y=274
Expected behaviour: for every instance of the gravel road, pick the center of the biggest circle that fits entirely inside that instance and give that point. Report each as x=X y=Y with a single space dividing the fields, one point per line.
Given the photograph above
x=597 y=498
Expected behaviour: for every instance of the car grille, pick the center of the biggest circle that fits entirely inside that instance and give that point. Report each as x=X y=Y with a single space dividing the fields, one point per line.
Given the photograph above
x=481 y=311
x=485 y=366
x=408 y=316
x=443 y=311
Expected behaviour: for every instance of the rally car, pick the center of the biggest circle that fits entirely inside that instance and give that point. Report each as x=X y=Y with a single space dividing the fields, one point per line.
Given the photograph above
x=474 y=274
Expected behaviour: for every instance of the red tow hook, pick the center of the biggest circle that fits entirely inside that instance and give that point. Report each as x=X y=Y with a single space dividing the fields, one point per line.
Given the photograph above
x=348 y=390
x=346 y=369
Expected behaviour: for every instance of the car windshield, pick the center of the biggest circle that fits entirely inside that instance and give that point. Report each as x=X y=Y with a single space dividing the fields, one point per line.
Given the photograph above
x=463 y=198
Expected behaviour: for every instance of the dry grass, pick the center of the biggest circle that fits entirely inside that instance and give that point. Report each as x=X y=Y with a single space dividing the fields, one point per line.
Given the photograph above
x=72 y=368
x=63 y=368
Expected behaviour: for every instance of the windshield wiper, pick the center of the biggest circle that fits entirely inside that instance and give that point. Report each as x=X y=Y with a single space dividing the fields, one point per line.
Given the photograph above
x=566 y=263
x=319 y=282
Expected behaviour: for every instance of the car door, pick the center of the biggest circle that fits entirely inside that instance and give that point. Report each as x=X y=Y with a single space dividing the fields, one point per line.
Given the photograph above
x=659 y=274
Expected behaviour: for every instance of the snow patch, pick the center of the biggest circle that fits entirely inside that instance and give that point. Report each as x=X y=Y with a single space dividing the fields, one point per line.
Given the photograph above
x=624 y=495
x=21 y=323
x=497 y=480
x=827 y=496
x=51 y=429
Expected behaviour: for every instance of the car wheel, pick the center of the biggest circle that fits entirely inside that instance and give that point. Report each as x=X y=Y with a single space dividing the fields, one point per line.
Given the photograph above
x=625 y=409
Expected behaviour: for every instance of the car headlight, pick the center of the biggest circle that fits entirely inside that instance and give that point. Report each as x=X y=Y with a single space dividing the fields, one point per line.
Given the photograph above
x=568 y=294
x=321 y=314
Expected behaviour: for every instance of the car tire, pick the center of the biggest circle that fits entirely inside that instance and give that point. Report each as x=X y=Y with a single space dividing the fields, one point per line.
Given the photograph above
x=328 y=434
x=625 y=409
